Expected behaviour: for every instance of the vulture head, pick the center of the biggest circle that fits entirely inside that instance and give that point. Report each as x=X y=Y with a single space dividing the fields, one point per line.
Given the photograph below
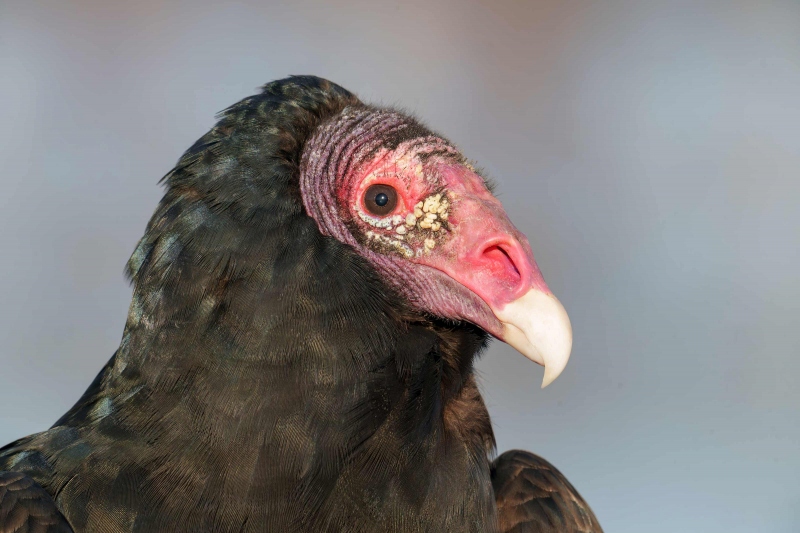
x=411 y=204
x=241 y=201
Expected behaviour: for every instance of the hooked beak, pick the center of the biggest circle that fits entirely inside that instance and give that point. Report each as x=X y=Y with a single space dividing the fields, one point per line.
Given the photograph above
x=490 y=257
x=537 y=325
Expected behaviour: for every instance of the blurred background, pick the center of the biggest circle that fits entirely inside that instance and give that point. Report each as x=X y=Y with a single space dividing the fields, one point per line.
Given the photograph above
x=649 y=149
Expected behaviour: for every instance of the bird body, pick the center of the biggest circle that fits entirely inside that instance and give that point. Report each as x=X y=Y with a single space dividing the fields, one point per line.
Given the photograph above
x=284 y=369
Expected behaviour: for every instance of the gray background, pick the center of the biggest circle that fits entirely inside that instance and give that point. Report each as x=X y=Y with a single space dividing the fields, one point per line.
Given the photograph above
x=650 y=150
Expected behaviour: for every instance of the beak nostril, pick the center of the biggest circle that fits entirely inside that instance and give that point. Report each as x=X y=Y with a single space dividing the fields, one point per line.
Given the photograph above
x=508 y=257
x=497 y=254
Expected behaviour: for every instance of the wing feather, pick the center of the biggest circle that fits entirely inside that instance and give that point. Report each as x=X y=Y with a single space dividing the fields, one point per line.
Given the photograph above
x=534 y=497
x=25 y=507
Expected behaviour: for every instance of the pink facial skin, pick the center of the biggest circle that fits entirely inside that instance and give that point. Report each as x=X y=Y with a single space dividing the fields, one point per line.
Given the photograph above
x=465 y=263
x=484 y=251
x=477 y=245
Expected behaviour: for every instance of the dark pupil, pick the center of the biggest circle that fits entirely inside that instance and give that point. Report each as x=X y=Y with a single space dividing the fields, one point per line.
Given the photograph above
x=381 y=199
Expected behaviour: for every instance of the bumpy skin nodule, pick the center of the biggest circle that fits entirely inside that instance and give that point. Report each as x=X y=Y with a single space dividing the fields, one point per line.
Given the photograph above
x=269 y=378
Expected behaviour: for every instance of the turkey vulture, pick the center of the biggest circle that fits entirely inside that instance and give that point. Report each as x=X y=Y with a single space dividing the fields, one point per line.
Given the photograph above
x=309 y=298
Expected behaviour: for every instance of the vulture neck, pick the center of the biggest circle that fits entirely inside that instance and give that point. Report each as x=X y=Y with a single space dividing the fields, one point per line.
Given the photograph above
x=292 y=327
x=294 y=390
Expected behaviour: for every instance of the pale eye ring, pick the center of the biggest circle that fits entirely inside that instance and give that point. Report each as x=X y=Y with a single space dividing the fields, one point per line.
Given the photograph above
x=380 y=199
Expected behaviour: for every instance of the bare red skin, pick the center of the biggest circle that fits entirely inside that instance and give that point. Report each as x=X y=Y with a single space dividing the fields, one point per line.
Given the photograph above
x=484 y=252
x=478 y=261
x=481 y=249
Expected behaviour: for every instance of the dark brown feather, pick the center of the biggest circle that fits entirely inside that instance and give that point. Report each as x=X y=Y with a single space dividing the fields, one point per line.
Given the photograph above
x=25 y=507
x=534 y=497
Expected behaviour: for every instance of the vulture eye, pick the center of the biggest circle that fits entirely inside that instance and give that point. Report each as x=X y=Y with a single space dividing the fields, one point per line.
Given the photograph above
x=380 y=199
